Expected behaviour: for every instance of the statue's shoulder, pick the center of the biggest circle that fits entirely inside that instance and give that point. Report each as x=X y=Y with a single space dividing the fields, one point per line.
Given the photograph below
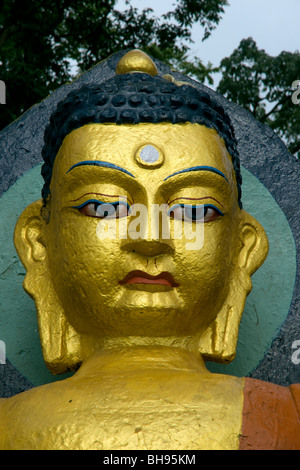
x=26 y=414
x=3 y=421
x=11 y=410
x=3 y=409
x=271 y=416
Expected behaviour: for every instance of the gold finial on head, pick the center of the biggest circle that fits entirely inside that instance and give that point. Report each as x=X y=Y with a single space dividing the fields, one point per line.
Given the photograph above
x=136 y=61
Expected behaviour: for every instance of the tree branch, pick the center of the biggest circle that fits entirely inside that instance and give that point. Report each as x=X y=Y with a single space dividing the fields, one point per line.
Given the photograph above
x=5 y=32
x=293 y=148
x=285 y=98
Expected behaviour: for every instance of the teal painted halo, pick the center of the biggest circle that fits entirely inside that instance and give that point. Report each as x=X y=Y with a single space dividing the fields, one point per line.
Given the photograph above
x=266 y=308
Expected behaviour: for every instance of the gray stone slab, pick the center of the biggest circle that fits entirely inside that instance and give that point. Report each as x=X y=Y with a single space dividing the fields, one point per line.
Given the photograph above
x=261 y=152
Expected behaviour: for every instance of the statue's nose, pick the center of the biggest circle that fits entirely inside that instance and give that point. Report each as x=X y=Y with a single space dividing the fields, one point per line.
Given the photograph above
x=149 y=247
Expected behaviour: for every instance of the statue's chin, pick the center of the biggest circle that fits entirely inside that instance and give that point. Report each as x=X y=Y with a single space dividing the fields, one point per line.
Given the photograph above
x=142 y=314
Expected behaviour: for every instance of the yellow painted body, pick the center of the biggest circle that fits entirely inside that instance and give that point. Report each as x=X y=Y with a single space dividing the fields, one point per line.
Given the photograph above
x=126 y=400
x=139 y=346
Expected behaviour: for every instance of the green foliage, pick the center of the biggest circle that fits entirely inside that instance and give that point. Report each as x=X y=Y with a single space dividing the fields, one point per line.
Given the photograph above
x=263 y=85
x=41 y=39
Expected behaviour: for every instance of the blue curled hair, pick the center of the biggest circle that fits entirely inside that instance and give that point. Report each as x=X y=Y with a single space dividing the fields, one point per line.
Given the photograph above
x=131 y=99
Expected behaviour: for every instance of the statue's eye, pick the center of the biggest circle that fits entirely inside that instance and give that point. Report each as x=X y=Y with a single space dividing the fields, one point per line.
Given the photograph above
x=201 y=213
x=103 y=210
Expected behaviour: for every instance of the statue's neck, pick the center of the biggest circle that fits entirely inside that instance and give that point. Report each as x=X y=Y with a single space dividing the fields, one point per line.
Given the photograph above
x=136 y=358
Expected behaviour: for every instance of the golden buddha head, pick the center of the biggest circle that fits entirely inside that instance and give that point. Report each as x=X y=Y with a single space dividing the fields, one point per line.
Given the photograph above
x=102 y=265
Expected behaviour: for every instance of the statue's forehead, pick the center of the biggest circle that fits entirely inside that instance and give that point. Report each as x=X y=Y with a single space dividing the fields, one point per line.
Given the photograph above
x=145 y=139
x=145 y=150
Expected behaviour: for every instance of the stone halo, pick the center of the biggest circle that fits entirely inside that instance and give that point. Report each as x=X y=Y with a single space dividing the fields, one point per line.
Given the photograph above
x=149 y=156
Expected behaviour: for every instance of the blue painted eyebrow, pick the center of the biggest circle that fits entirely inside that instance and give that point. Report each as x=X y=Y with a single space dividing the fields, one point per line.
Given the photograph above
x=199 y=168
x=101 y=163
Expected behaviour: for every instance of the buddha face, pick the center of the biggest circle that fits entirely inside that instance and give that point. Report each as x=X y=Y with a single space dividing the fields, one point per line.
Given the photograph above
x=138 y=285
x=154 y=286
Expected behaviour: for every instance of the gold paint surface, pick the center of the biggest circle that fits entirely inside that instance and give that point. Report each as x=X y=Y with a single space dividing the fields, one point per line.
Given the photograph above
x=136 y=61
x=87 y=284
x=124 y=401
x=142 y=383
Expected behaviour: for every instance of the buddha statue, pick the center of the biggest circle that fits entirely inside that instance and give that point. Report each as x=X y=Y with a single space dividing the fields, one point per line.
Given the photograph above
x=139 y=258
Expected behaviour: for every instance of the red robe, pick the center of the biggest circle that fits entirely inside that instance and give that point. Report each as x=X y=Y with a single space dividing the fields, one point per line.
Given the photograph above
x=271 y=416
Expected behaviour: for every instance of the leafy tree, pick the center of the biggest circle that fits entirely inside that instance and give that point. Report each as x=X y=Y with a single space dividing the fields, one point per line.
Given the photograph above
x=263 y=85
x=41 y=39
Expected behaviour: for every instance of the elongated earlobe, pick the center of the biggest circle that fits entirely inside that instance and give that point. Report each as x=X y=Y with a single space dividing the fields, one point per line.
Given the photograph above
x=219 y=341
x=61 y=344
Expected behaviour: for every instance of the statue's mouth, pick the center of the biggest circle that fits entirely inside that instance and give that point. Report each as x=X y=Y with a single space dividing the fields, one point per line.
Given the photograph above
x=140 y=277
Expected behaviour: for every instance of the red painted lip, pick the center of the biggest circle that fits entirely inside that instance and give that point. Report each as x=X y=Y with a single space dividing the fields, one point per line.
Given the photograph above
x=140 y=277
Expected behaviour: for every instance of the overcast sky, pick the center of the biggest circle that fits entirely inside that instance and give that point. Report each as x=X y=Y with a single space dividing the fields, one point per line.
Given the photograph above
x=273 y=24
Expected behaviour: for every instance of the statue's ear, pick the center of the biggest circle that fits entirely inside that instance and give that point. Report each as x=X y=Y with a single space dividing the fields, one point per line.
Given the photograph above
x=219 y=341
x=254 y=244
x=60 y=342
x=29 y=236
